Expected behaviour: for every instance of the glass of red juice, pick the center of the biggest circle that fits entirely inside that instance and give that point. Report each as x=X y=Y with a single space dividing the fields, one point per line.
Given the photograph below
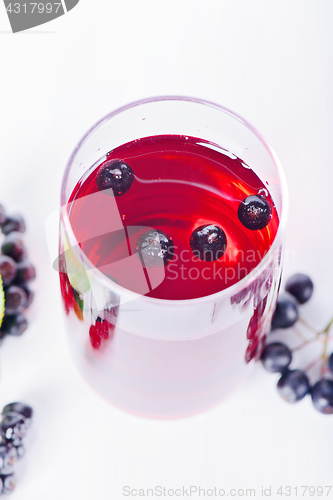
x=172 y=220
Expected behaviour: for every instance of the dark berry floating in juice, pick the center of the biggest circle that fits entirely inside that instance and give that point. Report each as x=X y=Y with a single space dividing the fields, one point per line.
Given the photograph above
x=255 y=212
x=208 y=243
x=175 y=186
x=115 y=176
x=155 y=248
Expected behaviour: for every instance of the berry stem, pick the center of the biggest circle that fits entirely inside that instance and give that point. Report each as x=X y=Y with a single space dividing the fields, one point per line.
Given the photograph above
x=306 y=342
x=312 y=364
x=328 y=327
x=324 y=355
x=299 y=334
x=309 y=327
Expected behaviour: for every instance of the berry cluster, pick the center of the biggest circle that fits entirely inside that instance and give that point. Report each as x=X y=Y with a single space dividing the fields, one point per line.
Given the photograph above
x=294 y=384
x=208 y=242
x=15 y=421
x=101 y=330
x=17 y=272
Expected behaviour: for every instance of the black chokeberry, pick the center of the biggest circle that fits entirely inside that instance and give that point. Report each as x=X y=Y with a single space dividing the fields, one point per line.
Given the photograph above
x=14 y=325
x=300 y=286
x=26 y=272
x=17 y=407
x=13 y=223
x=276 y=357
x=322 y=396
x=8 y=457
x=30 y=295
x=286 y=312
x=293 y=386
x=14 y=247
x=255 y=212
x=8 y=269
x=8 y=482
x=20 y=451
x=208 y=242
x=330 y=362
x=116 y=175
x=13 y=428
x=155 y=248
x=3 y=216
x=15 y=300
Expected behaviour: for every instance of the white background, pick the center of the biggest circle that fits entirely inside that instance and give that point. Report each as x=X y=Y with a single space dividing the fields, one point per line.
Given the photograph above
x=268 y=60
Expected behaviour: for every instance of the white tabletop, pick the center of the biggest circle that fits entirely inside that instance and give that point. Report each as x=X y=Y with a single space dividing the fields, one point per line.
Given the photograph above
x=271 y=62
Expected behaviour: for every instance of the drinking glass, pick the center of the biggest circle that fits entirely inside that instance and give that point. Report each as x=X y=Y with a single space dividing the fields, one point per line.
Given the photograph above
x=167 y=358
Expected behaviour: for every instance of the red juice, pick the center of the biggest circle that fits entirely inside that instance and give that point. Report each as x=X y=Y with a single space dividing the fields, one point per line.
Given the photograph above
x=180 y=183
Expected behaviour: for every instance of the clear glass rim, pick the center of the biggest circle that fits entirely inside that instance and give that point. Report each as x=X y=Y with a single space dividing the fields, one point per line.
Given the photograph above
x=218 y=296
